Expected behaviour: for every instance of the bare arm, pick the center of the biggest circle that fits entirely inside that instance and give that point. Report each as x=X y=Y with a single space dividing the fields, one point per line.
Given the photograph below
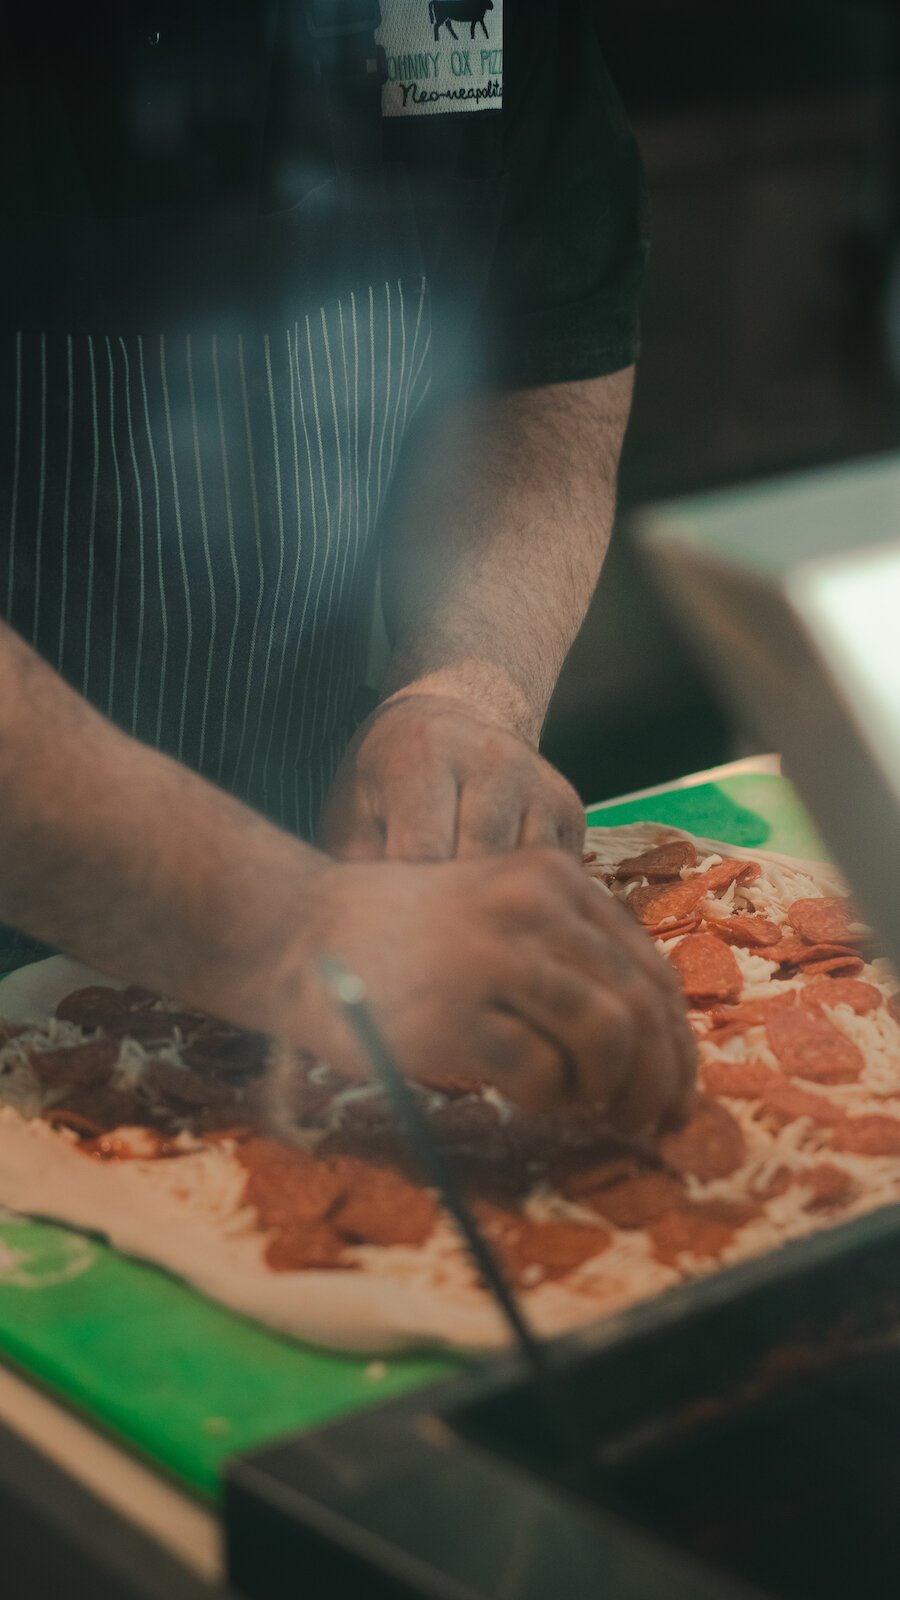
x=492 y=560
x=130 y=862
x=495 y=547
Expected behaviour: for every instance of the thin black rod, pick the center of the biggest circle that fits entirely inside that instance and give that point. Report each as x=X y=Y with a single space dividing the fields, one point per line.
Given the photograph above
x=350 y=993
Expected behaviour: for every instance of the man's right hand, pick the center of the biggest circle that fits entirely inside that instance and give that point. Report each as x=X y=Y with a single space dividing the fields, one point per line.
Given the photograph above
x=517 y=970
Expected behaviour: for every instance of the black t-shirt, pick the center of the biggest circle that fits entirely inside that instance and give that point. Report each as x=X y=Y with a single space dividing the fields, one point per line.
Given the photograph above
x=533 y=216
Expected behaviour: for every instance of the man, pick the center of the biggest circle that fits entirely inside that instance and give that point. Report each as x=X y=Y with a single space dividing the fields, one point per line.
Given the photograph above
x=271 y=330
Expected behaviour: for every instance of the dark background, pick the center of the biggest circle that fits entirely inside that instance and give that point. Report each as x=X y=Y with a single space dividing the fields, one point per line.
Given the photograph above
x=771 y=320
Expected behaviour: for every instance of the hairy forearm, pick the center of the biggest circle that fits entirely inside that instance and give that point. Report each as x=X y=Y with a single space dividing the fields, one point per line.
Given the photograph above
x=496 y=541
x=129 y=861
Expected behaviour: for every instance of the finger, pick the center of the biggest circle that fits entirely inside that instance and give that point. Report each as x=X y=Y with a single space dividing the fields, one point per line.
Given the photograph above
x=488 y=819
x=521 y=1061
x=551 y=898
x=350 y=832
x=605 y=912
x=653 y=1091
x=364 y=842
x=538 y=827
x=420 y=815
x=663 y=1083
x=572 y=829
x=588 y=1023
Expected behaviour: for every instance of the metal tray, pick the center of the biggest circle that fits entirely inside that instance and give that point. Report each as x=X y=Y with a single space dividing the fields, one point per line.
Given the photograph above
x=459 y=1492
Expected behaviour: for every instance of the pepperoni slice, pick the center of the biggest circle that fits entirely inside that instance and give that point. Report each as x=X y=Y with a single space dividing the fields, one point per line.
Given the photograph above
x=657 y=902
x=828 y=1185
x=183 y=1089
x=779 y=1183
x=789 y=952
x=306 y=1247
x=101 y=1107
x=860 y=997
x=788 y=1102
x=286 y=1184
x=846 y=965
x=807 y=1045
x=661 y=864
x=750 y=1013
x=672 y=930
x=384 y=1208
x=532 y=1251
x=704 y=1229
x=710 y=1146
x=741 y=1080
x=727 y=872
x=829 y=919
x=638 y=1200
x=706 y=967
x=82 y=1067
x=93 y=1006
x=868 y=1136
x=750 y=932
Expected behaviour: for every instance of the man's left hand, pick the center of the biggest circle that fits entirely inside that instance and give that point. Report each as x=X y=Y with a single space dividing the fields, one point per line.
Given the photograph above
x=430 y=777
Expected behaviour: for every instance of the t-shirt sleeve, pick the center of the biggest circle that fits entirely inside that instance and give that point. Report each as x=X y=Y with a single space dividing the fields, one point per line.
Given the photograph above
x=562 y=296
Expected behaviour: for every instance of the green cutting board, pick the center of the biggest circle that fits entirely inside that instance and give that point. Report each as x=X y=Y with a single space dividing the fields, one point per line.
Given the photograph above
x=183 y=1381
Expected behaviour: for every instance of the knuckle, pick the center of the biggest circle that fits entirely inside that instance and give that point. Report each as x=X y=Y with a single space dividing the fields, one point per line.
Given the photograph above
x=614 y=1021
x=415 y=844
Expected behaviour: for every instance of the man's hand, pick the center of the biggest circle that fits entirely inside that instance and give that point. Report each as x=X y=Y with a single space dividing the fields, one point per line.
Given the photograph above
x=429 y=777
x=517 y=970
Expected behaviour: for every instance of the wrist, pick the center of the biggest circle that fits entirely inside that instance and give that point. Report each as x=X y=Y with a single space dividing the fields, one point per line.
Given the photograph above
x=480 y=687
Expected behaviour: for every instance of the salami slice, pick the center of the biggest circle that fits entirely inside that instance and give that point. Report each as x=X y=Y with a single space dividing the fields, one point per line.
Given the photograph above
x=661 y=864
x=831 y=919
x=706 y=967
x=710 y=1146
x=860 y=997
x=807 y=1045
x=750 y=932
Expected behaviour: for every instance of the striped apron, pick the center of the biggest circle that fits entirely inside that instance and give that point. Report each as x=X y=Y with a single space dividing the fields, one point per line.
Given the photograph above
x=198 y=430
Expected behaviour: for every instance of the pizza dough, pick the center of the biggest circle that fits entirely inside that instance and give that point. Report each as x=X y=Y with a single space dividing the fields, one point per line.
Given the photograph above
x=797 y=1127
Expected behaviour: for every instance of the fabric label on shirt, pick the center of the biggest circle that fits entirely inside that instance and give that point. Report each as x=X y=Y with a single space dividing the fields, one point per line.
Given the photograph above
x=441 y=56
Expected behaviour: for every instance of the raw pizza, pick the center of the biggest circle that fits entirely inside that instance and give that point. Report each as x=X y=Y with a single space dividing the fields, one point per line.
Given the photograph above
x=287 y=1193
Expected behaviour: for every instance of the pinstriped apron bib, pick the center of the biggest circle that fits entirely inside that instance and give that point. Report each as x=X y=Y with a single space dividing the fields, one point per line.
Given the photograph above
x=197 y=434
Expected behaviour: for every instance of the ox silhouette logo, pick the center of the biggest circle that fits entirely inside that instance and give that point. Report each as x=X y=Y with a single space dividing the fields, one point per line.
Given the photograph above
x=441 y=56
x=443 y=14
